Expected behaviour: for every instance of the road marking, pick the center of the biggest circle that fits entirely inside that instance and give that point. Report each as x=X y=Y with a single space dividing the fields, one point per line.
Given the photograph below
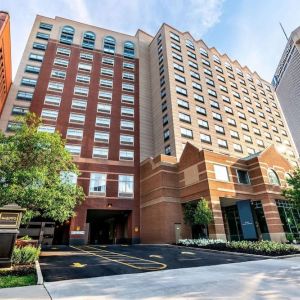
x=189 y=253
x=130 y=261
x=155 y=256
x=78 y=265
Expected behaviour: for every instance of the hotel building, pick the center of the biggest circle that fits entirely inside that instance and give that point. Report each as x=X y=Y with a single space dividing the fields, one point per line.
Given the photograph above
x=286 y=83
x=5 y=58
x=187 y=113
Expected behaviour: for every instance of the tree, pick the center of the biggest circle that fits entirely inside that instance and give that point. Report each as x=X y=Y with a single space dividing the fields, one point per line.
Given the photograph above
x=31 y=167
x=292 y=192
x=198 y=213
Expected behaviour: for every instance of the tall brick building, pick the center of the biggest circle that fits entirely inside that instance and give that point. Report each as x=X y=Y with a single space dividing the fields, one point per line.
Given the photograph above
x=5 y=58
x=119 y=100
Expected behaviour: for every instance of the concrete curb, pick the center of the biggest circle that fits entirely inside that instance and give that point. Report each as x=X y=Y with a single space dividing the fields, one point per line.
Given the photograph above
x=40 y=279
x=241 y=253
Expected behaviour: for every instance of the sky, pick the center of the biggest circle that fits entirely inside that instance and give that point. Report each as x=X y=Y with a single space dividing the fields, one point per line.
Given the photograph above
x=247 y=30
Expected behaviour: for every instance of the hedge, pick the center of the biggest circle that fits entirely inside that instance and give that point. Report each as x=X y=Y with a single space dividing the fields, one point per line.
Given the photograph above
x=25 y=255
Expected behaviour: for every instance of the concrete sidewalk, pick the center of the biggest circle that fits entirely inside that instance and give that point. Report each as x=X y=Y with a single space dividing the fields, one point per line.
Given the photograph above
x=265 y=279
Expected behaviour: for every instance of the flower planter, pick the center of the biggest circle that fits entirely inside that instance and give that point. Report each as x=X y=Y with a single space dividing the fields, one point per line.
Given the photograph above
x=23 y=243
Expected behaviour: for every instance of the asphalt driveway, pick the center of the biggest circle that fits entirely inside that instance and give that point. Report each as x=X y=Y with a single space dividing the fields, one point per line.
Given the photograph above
x=62 y=262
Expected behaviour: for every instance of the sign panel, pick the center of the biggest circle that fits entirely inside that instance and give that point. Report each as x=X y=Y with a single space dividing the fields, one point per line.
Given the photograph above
x=246 y=218
x=77 y=232
x=9 y=219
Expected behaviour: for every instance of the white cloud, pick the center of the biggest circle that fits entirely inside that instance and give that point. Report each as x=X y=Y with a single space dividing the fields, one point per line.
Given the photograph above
x=79 y=10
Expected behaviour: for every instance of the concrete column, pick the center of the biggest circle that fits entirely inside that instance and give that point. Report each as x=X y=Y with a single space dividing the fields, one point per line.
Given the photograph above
x=275 y=227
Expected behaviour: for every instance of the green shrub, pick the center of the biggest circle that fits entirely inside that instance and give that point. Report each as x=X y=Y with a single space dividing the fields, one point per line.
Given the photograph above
x=25 y=238
x=25 y=255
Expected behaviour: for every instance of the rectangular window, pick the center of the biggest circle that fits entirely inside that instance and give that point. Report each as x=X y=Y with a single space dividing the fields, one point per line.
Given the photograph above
x=103 y=122
x=201 y=110
x=102 y=137
x=107 y=72
x=126 y=155
x=222 y=143
x=126 y=139
x=98 y=184
x=26 y=96
x=127 y=87
x=58 y=74
x=100 y=152
x=174 y=36
x=77 y=118
x=205 y=138
x=36 y=57
x=104 y=108
x=183 y=103
x=49 y=114
x=105 y=95
x=21 y=111
x=237 y=148
x=178 y=67
x=221 y=173
x=73 y=149
x=127 y=111
x=203 y=124
x=46 y=128
x=126 y=186
x=79 y=104
x=73 y=133
x=106 y=83
x=86 y=56
x=127 y=125
x=181 y=91
x=184 y=118
x=32 y=69
x=83 y=78
x=52 y=100
x=28 y=82
x=187 y=133
x=42 y=36
x=108 y=61
x=39 y=46
x=61 y=62
x=179 y=78
x=63 y=51
x=45 y=26
x=81 y=91
x=128 y=65
x=127 y=99
x=84 y=67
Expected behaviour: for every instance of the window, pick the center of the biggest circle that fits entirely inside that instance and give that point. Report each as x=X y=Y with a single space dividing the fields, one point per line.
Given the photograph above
x=200 y=110
x=203 y=52
x=77 y=118
x=174 y=36
x=222 y=143
x=61 y=62
x=219 y=69
x=219 y=129
x=63 y=51
x=208 y=72
x=81 y=91
x=231 y=121
x=128 y=76
x=166 y=134
x=203 y=124
x=184 y=118
x=176 y=47
x=73 y=149
x=216 y=59
x=178 y=67
x=243 y=176
x=126 y=186
x=83 y=78
x=217 y=116
x=205 y=138
x=103 y=95
x=32 y=69
x=109 y=45
x=73 y=133
x=58 y=74
x=241 y=115
x=191 y=54
x=49 y=114
x=128 y=50
x=127 y=111
x=104 y=108
x=193 y=65
x=106 y=83
x=187 y=133
x=177 y=56
x=128 y=65
x=237 y=148
x=45 y=26
x=28 y=82
x=98 y=183
x=197 y=86
x=36 y=57
x=18 y=110
x=247 y=138
x=67 y=34
x=108 y=61
x=214 y=104
x=226 y=99
x=244 y=126
x=127 y=99
x=127 y=125
x=260 y=143
x=211 y=93
x=52 y=100
x=103 y=122
x=273 y=177
x=88 y=40
x=39 y=46
x=168 y=150
x=199 y=98
x=42 y=36
x=86 y=56
x=127 y=87
x=234 y=134
x=79 y=104
x=84 y=67
x=183 y=103
x=102 y=137
x=46 y=128
x=181 y=91
x=179 y=78
x=165 y=120
x=209 y=81
x=194 y=75
x=126 y=139
x=228 y=110
x=221 y=173
x=126 y=155
x=190 y=44
x=26 y=96
x=100 y=152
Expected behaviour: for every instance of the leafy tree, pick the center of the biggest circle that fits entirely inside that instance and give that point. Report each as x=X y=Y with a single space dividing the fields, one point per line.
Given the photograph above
x=31 y=168
x=198 y=213
x=292 y=192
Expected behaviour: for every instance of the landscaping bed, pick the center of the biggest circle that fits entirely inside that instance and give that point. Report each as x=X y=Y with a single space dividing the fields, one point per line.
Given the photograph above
x=266 y=248
x=23 y=271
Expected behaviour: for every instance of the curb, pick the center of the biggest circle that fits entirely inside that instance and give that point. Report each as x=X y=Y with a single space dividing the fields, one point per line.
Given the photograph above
x=241 y=253
x=40 y=279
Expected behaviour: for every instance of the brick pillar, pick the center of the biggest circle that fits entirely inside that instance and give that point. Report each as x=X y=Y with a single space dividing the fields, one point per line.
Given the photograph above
x=217 y=229
x=273 y=220
x=78 y=224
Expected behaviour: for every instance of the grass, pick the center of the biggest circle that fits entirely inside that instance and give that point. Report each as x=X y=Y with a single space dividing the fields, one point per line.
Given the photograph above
x=16 y=280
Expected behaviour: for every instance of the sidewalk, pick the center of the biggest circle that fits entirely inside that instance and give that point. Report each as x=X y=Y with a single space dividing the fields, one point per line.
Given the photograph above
x=265 y=279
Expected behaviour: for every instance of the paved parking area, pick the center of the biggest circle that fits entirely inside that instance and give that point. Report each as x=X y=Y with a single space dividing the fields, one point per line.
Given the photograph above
x=62 y=263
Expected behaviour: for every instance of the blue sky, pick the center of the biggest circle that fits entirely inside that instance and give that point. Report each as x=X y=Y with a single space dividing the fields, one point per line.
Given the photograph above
x=247 y=30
